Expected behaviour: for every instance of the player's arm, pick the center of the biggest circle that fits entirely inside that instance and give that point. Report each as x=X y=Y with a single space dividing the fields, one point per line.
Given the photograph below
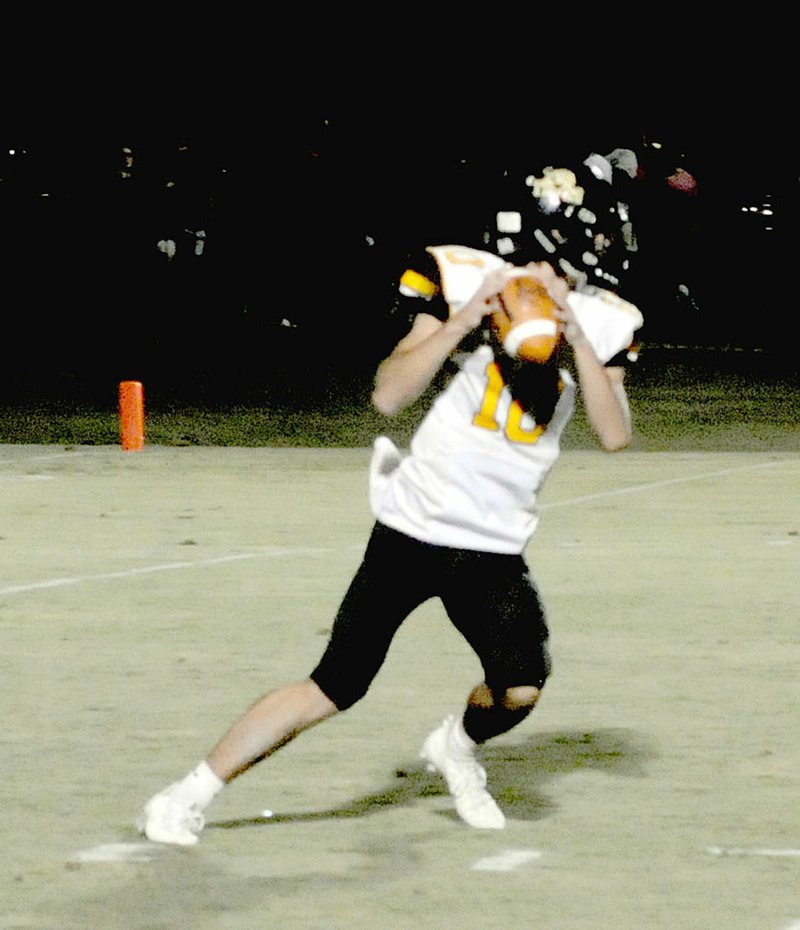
x=602 y=388
x=412 y=365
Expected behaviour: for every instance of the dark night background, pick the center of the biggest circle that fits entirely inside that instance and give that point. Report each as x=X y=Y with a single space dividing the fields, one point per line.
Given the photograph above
x=307 y=220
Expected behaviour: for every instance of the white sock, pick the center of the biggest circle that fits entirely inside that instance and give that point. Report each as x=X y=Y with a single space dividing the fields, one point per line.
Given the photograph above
x=200 y=786
x=459 y=737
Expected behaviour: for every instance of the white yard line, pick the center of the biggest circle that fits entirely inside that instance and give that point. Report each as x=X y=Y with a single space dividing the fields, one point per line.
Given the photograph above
x=303 y=551
x=165 y=567
x=656 y=485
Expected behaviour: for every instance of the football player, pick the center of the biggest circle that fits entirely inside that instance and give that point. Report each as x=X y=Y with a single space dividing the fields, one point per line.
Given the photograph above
x=453 y=516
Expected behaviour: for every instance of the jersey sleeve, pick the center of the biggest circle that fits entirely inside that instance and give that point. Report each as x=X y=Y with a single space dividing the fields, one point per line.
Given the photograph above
x=419 y=289
x=608 y=322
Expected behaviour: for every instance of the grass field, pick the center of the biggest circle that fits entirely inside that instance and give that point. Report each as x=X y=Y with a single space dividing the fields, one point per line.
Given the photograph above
x=713 y=400
x=146 y=598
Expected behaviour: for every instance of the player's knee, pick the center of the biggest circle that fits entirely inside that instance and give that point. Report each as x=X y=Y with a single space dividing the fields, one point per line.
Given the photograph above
x=346 y=697
x=520 y=698
x=342 y=692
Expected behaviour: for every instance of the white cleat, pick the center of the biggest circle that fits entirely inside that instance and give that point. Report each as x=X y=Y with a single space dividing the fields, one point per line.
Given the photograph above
x=465 y=777
x=168 y=818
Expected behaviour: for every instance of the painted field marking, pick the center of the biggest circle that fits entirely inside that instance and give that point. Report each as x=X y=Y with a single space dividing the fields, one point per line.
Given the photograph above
x=752 y=851
x=46 y=456
x=119 y=852
x=167 y=567
x=176 y=566
x=509 y=860
x=656 y=485
x=26 y=477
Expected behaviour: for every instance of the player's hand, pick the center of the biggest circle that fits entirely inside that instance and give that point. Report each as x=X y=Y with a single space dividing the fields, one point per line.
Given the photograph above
x=556 y=286
x=486 y=299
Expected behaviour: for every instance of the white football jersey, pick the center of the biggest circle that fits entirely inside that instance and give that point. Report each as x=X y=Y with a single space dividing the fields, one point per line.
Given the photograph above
x=478 y=460
x=476 y=464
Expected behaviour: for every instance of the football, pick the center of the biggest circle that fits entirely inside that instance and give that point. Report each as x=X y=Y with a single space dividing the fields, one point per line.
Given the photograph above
x=525 y=323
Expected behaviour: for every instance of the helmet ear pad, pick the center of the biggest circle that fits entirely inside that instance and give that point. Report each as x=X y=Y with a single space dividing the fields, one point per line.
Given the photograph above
x=526 y=323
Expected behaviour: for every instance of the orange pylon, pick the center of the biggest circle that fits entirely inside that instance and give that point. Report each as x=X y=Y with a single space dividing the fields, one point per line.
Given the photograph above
x=131 y=415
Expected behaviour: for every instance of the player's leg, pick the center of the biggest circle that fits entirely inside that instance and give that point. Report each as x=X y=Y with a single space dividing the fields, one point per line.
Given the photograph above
x=272 y=721
x=370 y=613
x=492 y=711
x=496 y=607
x=175 y=815
x=502 y=618
x=368 y=617
x=393 y=579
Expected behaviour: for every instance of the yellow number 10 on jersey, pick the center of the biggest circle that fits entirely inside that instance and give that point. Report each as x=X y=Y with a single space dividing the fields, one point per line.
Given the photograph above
x=486 y=417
